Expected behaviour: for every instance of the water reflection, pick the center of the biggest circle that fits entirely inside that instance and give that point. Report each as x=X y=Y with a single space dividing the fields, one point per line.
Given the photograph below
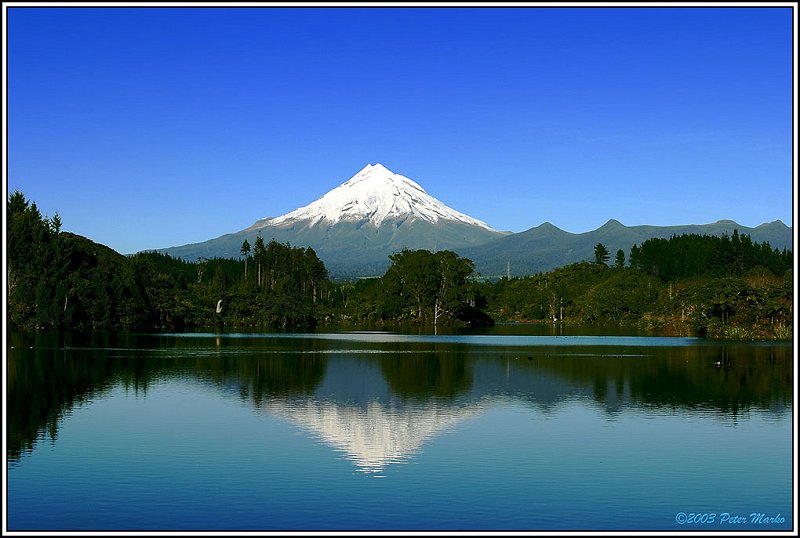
x=378 y=399
x=373 y=436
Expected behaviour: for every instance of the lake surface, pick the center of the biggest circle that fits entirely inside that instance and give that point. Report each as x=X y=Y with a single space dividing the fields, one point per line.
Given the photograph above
x=515 y=428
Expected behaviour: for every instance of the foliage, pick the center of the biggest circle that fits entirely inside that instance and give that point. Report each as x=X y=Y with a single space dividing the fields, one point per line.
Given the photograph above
x=549 y=296
x=624 y=296
x=61 y=280
x=692 y=255
x=425 y=286
x=726 y=287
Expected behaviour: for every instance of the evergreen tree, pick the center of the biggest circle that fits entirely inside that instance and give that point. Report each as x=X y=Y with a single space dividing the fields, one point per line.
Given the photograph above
x=619 y=262
x=601 y=254
x=55 y=224
x=259 y=252
x=245 y=251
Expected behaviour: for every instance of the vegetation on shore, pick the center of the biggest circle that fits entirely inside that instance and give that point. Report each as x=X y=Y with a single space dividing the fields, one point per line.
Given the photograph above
x=722 y=287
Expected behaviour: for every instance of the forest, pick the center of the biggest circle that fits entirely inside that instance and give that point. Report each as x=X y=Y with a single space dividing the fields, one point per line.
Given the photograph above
x=715 y=286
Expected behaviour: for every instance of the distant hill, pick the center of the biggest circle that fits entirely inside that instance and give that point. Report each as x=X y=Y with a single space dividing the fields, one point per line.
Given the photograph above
x=546 y=247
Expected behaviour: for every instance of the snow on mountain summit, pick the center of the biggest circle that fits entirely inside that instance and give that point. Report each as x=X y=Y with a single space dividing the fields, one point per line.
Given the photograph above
x=375 y=194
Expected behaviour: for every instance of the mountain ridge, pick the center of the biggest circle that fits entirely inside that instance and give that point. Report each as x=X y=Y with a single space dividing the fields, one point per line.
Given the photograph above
x=543 y=247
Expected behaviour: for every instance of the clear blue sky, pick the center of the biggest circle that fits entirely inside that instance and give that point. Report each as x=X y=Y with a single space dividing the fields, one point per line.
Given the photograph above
x=149 y=128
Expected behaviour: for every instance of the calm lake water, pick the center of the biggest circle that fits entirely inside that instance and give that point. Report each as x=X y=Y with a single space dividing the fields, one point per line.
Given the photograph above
x=516 y=428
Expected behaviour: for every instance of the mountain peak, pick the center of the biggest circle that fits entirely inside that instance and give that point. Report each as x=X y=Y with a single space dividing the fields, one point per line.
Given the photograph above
x=372 y=167
x=376 y=177
x=375 y=194
x=376 y=166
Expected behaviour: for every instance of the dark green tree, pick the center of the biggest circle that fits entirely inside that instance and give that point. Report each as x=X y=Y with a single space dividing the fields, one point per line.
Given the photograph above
x=315 y=274
x=430 y=286
x=55 y=224
x=601 y=254
x=619 y=262
x=245 y=251
x=452 y=273
x=259 y=255
x=411 y=276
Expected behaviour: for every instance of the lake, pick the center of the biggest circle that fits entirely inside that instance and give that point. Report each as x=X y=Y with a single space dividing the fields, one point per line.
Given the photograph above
x=514 y=428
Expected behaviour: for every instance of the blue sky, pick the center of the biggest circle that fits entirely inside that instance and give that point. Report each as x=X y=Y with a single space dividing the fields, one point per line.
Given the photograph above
x=149 y=128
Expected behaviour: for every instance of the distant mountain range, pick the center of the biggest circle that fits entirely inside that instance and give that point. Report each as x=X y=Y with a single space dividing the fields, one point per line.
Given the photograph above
x=546 y=247
x=356 y=226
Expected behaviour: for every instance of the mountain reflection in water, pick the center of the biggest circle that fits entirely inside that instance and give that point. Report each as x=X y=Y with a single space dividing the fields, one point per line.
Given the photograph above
x=374 y=436
x=379 y=399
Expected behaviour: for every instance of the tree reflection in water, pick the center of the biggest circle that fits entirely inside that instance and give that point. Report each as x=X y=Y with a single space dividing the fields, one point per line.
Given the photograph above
x=379 y=402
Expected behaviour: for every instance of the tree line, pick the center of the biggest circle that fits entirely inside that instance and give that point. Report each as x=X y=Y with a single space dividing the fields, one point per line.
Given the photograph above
x=61 y=280
x=719 y=286
x=724 y=286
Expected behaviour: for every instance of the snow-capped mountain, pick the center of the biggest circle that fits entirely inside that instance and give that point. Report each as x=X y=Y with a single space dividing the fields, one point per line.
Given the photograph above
x=375 y=195
x=355 y=227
